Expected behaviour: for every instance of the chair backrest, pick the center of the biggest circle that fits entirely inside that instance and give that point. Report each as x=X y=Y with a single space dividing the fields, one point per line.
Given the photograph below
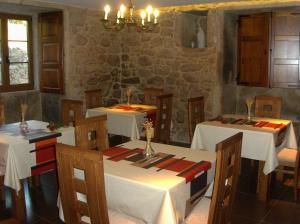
x=81 y=185
x=268 y=106
x=91 y=133
x=163 y=119
x=71 y=110
x=226 y=179
x=93 y=98
x=2 y=114
x=151 y=94
x=195 y=113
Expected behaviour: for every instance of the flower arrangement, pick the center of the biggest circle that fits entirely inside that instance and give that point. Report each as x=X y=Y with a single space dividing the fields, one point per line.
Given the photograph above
x=24 y=108
x=149 y=130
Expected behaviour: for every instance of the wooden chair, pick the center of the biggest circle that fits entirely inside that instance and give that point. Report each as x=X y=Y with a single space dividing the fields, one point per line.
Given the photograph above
x=2 y=114
x=289 y=158
x=11 y=220
x=82 y=188
x=268 y=106
x=91 y=133
x=163 y=119
x=195 y=113
x=71 y=110
x=151 y=94
x=93 y=98
x=219 y=208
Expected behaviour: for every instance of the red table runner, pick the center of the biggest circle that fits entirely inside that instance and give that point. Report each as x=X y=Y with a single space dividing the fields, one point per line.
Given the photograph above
x=258 y=124
x=151 y=113
x=184 y=168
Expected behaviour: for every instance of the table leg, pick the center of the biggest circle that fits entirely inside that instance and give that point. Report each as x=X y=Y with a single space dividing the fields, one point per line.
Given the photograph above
x=18 y=201
x=263 y=183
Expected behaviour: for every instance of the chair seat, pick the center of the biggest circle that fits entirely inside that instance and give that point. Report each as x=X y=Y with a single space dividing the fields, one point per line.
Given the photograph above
x=117 y=218
x=287 y=157
x=199 y=214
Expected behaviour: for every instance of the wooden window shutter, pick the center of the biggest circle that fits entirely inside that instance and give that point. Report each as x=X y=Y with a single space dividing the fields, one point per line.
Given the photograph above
x=51 y=52
x=253 y=54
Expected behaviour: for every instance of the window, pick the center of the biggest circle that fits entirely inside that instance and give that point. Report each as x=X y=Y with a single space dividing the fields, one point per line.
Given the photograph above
x=15 y=53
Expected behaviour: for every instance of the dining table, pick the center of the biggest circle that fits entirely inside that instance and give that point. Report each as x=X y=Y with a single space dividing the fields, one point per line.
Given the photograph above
x=125 y=119
x=162 y=189
x=28 y=152
x=263 y=138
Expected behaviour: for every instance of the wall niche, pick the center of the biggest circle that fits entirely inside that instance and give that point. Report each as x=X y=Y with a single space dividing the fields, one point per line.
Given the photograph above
x=194 y=29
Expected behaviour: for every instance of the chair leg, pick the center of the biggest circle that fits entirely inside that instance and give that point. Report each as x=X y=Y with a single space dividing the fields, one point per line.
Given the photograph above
x=279 y=174
x=295 y=186
x=1 y=188
x=34 y=181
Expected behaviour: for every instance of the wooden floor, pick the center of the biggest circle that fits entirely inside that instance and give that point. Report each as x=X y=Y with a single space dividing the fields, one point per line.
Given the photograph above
x=41 y=202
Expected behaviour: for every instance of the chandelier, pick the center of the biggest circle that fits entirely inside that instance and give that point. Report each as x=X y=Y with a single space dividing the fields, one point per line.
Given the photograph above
x=147 y=21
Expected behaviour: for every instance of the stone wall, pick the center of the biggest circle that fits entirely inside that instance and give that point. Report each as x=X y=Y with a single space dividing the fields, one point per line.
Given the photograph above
x=112 y=61
x=12 y=102
x=158 y=60
x=92 y=60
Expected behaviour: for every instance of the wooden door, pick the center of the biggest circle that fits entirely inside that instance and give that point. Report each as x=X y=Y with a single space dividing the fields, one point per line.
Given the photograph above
x=51 y=52
x=253 y=52
x=285 y=52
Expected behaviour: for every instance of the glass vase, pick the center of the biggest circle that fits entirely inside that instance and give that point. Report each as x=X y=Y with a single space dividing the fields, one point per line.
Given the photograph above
x=249 y=113
x=24 y=126
x=148 y=151
x=128 y=100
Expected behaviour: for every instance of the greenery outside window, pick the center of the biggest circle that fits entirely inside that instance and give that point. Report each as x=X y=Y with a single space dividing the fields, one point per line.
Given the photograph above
x=15 y=53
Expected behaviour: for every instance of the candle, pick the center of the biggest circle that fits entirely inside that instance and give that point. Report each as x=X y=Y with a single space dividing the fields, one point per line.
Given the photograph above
x=143 y=16
x=122 y=11
x=149 y=12
x=118 y=16
x=106 y=10
x=156 y=14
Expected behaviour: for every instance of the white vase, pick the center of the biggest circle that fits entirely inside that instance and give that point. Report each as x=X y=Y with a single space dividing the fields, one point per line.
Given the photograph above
x=200 y=38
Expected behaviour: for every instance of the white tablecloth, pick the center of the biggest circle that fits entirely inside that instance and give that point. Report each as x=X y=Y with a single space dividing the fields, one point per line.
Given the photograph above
x=154 y=197
x=123 y=122
x=15 y=154
x=258 y=143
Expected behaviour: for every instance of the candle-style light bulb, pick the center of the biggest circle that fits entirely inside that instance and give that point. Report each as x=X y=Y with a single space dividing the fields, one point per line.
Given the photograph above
x=122 y=11
x=118 y=16
x=106 y=10
x=143 y=16
x=149 y=12
x=156 y=14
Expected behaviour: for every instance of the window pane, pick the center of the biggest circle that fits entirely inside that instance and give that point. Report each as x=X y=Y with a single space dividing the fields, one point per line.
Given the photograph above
x=1 y=74
x=18 y=73
x=18 y=51
x=0 y=55
x=17 y=29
